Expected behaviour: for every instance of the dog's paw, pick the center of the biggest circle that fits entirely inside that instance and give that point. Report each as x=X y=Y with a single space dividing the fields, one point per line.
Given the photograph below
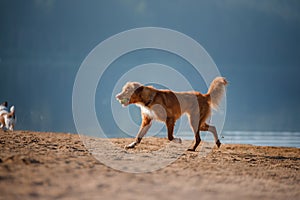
x=218 y=143
x=190 y=149
x=177 y=140
x=131 y=145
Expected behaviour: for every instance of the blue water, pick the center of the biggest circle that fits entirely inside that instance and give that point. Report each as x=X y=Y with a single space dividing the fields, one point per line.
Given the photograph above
x=280 y=139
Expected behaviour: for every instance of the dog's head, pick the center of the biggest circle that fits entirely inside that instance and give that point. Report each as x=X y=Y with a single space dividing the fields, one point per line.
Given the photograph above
x=3 y=106
x=128 y=90
x=134 y=92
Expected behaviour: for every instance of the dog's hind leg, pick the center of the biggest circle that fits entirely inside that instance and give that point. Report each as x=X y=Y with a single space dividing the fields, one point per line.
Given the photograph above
x=146 y=124
x=197 y=141
x=194 y=123
x=213 y=130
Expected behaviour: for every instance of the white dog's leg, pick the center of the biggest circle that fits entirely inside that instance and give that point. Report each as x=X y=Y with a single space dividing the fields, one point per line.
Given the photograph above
x=7 y=122
x=11 y=128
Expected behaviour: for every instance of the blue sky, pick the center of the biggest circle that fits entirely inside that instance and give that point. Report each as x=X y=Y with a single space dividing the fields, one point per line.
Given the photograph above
x=255 y=44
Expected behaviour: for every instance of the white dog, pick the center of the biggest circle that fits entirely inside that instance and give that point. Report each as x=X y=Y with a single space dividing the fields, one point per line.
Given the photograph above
x=7 y=118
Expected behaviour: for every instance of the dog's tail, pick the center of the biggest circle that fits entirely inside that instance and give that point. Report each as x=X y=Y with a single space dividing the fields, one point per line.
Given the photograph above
x=216 y=91
x=11 y=114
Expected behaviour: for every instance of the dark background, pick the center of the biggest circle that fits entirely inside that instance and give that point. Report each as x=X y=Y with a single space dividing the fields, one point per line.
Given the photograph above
x=255 y=44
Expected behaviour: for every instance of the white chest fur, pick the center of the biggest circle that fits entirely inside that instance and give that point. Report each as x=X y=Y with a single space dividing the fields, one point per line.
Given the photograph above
x=146 y=111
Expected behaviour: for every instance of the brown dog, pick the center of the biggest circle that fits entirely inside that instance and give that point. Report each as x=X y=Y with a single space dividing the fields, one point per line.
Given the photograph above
x=168 y=106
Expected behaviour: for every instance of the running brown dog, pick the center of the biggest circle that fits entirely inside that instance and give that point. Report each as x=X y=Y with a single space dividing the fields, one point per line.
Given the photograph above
x=168 y=106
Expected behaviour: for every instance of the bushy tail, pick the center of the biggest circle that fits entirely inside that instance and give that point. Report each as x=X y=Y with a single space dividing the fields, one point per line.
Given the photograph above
x=216 y=91
x=11 y=114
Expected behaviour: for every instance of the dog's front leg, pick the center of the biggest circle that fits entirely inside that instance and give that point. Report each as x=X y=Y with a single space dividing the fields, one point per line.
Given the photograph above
x=146 y=124
x=170 y=122
x=131 y=145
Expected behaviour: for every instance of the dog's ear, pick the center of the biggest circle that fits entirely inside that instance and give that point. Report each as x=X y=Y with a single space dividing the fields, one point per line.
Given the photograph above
x=139 y=90
x=147 y=95
x=4 y=104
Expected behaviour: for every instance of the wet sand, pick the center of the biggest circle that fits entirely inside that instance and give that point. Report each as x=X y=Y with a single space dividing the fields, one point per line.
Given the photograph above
x=39 y=165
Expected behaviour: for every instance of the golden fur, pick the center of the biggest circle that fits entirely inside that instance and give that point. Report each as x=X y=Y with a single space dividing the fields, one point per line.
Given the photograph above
x=168 y=106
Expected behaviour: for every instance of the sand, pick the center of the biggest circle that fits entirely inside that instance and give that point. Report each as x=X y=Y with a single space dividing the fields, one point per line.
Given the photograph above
x=39 y=165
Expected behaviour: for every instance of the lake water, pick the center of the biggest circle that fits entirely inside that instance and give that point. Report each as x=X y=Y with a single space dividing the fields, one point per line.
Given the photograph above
x=258 y=138
x=282 y=139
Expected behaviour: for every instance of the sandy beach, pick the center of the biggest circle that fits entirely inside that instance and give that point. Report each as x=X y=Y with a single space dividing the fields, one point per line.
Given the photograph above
x=39 y=165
